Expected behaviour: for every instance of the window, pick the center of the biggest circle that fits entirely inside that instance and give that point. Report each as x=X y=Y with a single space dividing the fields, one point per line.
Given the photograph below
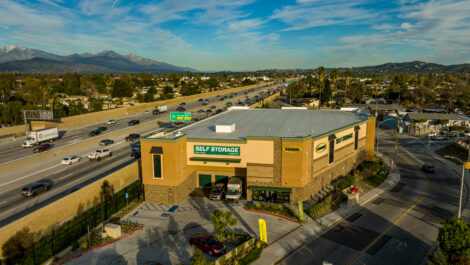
x=356 y=139
x=157 y=166
x=332 y=152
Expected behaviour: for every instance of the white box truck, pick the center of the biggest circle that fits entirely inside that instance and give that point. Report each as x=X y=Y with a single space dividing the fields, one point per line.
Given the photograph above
x=160 y=109
x=40 y=136
x=234 y=189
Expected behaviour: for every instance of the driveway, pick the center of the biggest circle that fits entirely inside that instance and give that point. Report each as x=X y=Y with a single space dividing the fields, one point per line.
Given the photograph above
x=169 y=227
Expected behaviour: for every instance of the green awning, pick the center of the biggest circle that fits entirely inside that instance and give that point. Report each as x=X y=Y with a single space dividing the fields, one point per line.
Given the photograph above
x=278 y=189
x=211 y=159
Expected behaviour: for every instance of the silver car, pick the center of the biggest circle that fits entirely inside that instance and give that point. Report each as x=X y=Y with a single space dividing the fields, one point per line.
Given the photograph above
x=71 y=160
x=217 y=192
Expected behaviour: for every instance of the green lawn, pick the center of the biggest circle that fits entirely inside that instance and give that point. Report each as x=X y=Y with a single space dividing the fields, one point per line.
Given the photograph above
x=375 y=180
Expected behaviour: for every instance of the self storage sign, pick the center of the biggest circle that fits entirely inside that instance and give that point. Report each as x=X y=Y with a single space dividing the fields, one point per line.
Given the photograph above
x=216 y=150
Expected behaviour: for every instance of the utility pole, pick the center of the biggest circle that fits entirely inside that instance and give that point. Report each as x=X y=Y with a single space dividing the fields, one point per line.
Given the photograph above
x=396 y=144
x=461 y=185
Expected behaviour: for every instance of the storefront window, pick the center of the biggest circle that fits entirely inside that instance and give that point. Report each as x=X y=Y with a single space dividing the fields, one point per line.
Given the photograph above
x=271 y=196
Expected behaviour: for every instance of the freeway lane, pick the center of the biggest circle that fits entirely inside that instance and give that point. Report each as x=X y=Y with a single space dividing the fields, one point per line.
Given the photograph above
x=14 y=206
x=414 y=230
x=12 y=151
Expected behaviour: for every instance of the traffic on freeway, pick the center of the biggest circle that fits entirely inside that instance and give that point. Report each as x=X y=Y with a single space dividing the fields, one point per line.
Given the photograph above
x=63 y=176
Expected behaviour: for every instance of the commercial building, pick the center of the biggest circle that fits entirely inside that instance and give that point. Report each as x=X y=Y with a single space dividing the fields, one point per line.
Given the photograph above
x=281 y=155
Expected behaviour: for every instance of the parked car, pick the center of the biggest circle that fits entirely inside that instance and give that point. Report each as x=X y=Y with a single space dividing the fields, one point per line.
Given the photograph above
x=94 y=132
x=102 y=128
x=207 y=243
x=71 y=160
x=34 y=189
x=133 y=122
x=111 y=122
x=204 y=103
x=217 y=192
x=106 y=142
x=135 y=154
x=428 y=168
x=42 y=148
x=200 y=99
x=182 y=103
x=219 y=111
x=208 y=110
x=132 y=137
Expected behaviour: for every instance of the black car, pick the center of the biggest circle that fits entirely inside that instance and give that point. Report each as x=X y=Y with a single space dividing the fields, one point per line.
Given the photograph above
x=182 y=103
x=208 y=110
x=219 y=111
x=200 y=99
x=213 y=107
x=94 y=132
x=106 y=142
x=135 y=154
x=133 y=122
x=180 y=109
x=428 y=168
x=34 y=189
x=132 y=137
x=102 y=128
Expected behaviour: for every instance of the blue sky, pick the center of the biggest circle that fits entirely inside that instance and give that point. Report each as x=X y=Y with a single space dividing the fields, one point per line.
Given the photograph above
x=246 y=34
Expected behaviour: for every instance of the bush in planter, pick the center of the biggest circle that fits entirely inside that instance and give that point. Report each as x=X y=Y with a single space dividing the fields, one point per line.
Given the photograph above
x=84 y=243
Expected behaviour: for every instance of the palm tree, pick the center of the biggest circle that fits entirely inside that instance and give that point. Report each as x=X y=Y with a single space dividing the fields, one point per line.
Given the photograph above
x=321 y=76
x=347 y=81
x=106 y=194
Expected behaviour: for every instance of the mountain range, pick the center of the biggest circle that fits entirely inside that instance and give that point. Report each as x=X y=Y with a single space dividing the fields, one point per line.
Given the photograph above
x=27 y=60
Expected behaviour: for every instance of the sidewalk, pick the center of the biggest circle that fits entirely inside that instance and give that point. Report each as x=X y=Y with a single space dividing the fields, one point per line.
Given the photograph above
x=314 y=228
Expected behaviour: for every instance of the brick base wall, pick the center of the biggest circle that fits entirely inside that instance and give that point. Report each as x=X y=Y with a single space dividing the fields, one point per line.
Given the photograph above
x=170 y=194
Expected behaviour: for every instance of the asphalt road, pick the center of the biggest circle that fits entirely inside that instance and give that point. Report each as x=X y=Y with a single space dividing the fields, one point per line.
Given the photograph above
x=65 y=178
x=401 y=225
x=12 y=151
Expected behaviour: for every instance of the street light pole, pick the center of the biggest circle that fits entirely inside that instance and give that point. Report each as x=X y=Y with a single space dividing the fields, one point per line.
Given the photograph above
x=459 y=213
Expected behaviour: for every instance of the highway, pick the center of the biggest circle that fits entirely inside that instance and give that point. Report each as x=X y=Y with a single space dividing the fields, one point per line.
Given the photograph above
x=404 y=221
x=65 y=178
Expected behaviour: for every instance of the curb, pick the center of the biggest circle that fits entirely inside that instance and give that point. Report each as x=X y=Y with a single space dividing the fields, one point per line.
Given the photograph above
x=283 y=217
x=104 y=245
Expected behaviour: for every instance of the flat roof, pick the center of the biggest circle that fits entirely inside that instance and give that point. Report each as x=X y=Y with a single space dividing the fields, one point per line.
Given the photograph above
x=290 y=123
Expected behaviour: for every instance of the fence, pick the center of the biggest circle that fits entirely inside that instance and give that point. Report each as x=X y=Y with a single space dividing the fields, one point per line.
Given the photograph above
x=60 y=238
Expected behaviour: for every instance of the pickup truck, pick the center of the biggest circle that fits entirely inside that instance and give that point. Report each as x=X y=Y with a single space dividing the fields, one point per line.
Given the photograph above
x=100 y=153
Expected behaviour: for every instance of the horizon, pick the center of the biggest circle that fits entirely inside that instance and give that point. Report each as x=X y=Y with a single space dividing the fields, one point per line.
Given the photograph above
x=245 y=35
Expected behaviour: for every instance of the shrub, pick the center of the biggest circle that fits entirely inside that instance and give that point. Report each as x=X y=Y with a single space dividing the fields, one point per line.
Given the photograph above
x=74 y=245
x=84 y=243
x=15 y=247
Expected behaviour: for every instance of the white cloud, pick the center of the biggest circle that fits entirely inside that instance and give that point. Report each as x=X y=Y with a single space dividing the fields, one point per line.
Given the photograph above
x=405 y=25
x=310 y=14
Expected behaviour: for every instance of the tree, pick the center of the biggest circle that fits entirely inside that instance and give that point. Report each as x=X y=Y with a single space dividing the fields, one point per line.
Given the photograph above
x=334 y=77
x=222 y=220
x=167 y=93
x=347 y=81
x=106 y=194
x=71 y=84
x=174 y=78
x=121 y=89
x=198 y=258
x=96 y=104
x=7 y=84
x=17 y=245
x=32 y=91
x=321 y=77
x=190 y=89
x=453 y=242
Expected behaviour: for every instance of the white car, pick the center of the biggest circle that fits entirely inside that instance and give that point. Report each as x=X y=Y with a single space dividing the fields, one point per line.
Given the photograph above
x=111 y=122
x=71 y=160
x=147 y=112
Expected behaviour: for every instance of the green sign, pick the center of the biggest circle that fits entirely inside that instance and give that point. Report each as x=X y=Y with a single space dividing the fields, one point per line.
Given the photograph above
x=217 y=150
x=344 y=138
x=180 y=116
x=301 y=211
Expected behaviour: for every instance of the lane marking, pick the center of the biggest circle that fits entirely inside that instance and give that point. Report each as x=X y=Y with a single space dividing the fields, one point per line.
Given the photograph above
x=3 y=202
x=23 y=177
x=64 y=177
x=396 y=220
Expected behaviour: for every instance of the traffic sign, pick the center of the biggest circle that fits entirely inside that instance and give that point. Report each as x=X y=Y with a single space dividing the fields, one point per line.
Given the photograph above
x=180 y=116
x=127 y=195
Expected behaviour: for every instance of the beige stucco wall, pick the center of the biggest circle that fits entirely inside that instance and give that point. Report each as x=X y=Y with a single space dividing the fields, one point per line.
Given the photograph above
x=66 y=207
x=253 y=151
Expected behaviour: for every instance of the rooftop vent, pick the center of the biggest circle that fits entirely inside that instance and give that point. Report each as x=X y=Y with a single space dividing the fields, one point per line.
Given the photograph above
x=225 y=128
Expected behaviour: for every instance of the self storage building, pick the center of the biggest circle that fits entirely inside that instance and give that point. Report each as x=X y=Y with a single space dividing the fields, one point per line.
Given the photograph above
x=282 y=155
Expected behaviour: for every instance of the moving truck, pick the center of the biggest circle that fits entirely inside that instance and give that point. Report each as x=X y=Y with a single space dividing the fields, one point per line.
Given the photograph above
x=160 y=109
x=234 y=189
x=40 y=136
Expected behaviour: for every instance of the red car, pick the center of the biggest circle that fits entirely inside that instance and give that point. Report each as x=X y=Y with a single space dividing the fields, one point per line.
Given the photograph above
x=208 y=244
x=42 y=148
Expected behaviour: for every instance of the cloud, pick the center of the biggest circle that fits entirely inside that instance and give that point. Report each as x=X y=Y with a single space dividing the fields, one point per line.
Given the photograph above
x=311 y=14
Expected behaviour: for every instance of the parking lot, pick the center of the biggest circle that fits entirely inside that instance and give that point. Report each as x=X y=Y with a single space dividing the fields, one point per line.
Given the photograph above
x=169 y=227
